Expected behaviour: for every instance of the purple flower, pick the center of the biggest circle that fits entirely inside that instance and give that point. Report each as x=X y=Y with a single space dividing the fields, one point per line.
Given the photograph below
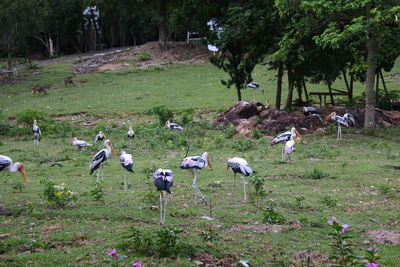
x=374 y=249
x=333 y=220
x=136 y=264
x=371 y=264
x=345 y=228
x=112 y=252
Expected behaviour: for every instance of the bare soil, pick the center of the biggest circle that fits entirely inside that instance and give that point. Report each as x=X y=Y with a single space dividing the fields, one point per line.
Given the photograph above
x=384 y=236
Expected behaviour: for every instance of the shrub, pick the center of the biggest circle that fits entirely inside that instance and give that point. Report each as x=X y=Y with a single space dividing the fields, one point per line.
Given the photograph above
x=60 y=195
x=243 y=145
x=210 y=234
x=142 y=56
x=329 y=201
x=258 y=183
x=98 y=191
x=316 y=174
x=270 y=216
x=164 y=114
x=27 y=116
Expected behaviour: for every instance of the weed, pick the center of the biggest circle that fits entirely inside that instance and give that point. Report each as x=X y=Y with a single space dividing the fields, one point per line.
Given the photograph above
x=299 y=202
x=98 y=191
x=164 y=114
x=243 y=145
x=329 y=201
x=316 y=174
x=384 y=188
x=258 y=183
x=228 y=131
x=270 y=216
x=210 y=234
x=60 y=195
x=316 y=222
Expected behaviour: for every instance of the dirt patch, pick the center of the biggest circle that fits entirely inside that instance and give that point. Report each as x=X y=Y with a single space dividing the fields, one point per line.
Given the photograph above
x=314 y=258
x=208 y=260
x=258 y=228
x=51 y=227
x=178 y=53
x=384 y=236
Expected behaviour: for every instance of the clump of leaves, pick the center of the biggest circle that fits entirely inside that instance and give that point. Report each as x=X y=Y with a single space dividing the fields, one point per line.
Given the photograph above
x=60 y=195
x=271 y=216
x=142 y=56
x=299 y=201
x=317 y=222
x=384 y=188
x=342 y=249
x=329 y=201
x=243 y=145
x=98 y=192
x=164 y=114
x=316 y=174
x=258 y=184
x=210 y=234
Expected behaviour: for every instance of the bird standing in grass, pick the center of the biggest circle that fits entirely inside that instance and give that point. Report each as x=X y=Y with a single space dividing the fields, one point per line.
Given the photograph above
x=255 y=86
x=173 y=126
x=99 y=137
x=195 y=164
x=100 y=158
x=163 y=179
x=289 y=147
x=80 y=143
x=127 y=163
x=130 y=134
x=239 y=165
x=6 y=163
x=309 y=111
x=349 y=118
x=37 y=133
x=284 y=137
x=341 y=121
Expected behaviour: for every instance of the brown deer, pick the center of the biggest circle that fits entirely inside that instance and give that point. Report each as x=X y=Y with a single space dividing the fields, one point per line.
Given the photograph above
x=40 y=89
x=69 y=81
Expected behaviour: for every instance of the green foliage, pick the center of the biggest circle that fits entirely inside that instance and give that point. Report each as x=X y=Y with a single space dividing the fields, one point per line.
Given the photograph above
x=98 y=191
x=270 y=216
x=316 y=174
x=299 y=201
x=59 y=195
x=243 y=145
x=342 y=249
x=385 y=188
x=142 y=56
x=258 y=184
x=316 y=222
x=164 y=114
x=329 y=201
x=27 y=116
x=228 y=131
x=210 y=234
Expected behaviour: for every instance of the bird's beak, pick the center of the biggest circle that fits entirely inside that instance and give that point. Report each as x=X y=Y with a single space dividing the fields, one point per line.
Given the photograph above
x=23 y=173
x=112 y=148
x=227 y=169
x=209 y=163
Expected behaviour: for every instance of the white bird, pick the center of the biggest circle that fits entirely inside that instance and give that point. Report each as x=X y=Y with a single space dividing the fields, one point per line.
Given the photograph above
x=101 y=157
x=289 y=147
x=173 y=126
x=284 y=137
x=163 y=179
x=127 y=163
x=131 y=133
x=6 y=163
x=99 y=137
x=195 y=164
x=340 y=122
x=80 y=143
x=37 y=133
x=309 y=111
x=239 y=165
x=350 y=119
x=255 y=86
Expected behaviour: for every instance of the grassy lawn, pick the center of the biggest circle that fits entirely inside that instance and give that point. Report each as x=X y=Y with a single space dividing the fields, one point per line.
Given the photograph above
x=359 y=185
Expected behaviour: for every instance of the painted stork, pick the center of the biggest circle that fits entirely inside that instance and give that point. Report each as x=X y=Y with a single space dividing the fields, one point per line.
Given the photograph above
x=309 y=111
x=6 y=163
x=284 y=137
x=340 y=122
x=100 y=158
x=37 y=133
x=239 y=165
x=195 y=164
x=99 y=137
x=80 y=143
x=255 y=86
x=289 y=147
x=130 y=134
x=163 y=179
x=350 y=119
x=173 y=126
x=127 y=163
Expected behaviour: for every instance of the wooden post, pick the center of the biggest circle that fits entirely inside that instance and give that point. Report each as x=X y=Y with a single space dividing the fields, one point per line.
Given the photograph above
x=330 y=91
x=279 y=87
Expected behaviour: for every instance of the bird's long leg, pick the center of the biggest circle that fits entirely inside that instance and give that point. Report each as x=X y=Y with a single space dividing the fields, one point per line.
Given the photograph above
x=234 y=180
x=165 y=206
x=125 y=185
x=244 y=189
x=203 y=199
x=161 y=208
x=97 y=175
x=340 y=132
x=254 y=94
x=283 y=153
x=194 y=175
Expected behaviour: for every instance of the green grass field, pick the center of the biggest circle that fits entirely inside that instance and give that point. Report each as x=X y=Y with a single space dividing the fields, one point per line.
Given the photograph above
x=360 y=187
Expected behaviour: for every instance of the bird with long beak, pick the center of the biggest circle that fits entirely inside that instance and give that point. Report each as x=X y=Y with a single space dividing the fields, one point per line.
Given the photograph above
x=163 y=179
x=284 y=137
x=195 y=164
x=100 y=158
x=127 y=163
x=99 y=137
x=80 y=143
x=340 y=122
x=239 y=165
x=37 y=133
x=6 y=163
x=130 y=134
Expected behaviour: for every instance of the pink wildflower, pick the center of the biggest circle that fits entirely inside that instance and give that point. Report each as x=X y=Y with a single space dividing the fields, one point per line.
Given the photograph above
x=333 y=220
x=345 y=228
x=136 y=264
x=112 y=252
x=374 y=249
x=371 y=264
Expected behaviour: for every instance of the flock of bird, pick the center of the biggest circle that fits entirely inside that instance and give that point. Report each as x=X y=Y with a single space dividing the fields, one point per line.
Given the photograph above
x=163 y=178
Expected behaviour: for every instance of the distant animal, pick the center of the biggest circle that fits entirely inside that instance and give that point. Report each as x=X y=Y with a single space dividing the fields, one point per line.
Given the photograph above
x=341 y=121
x=69 y=81
x=239 y=165
x=130 y=134
x=100 y=158
x=6 y=163
x=80 y=143
x=127 y=163
x=163 y=179
x=195 y=164
x=289 y=147
x=173 y=126
x=37 y=133
x=350 y=119
x=40 y=89
x=255 y=86
x=99 y=137
x=309 y=110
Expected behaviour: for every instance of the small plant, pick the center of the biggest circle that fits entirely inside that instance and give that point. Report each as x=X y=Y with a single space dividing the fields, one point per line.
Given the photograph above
x=270 y=216
x=115 y=259
x=98 y=191
x=210 y=234
x=317 y=222
x=60 y=195
x=150 y=195
x=142 y=56
x=371 y=256
x=299 y=201
x=27 y=116
x=342 y=249
x=258 y=183
x=164 y=114
x=329 y=201
x=256 y=134
x=243 y=145
x=167 y=239
x=228 y=131
x=385 y=188
x=316 y=174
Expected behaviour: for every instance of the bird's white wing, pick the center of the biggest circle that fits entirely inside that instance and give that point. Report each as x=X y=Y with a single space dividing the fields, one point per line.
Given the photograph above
x=4 y=162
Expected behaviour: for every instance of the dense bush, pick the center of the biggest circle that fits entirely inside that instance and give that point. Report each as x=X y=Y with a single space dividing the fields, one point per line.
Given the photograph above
x=164 y=114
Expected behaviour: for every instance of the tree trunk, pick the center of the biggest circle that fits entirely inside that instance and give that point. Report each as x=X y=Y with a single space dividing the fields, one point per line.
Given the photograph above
x=290 y=90
x=351 y=87
x=279 y=87
x=239 y=93
x=370 y=97
x=163 y=27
